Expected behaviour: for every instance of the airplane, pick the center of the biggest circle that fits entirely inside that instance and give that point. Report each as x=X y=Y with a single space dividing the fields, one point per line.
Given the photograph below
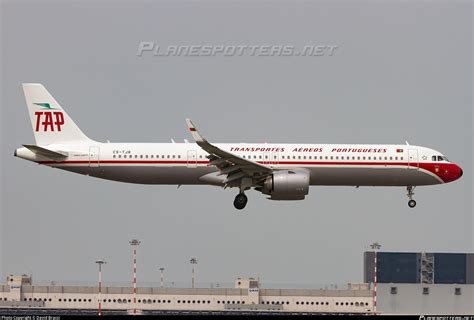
x=280 y=171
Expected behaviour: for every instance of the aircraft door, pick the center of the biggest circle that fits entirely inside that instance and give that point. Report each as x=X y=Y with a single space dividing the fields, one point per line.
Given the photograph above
x=192 y=159
x=94 y=157
x=413 y=159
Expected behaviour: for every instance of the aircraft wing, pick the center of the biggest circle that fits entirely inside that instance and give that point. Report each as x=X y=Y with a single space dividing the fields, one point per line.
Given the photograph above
x=232 y=165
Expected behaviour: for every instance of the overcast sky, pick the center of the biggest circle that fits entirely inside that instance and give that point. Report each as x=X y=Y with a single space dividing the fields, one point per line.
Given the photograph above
x=402 y=71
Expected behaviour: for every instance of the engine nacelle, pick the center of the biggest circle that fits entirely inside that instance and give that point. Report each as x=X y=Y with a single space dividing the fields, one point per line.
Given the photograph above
x=287 y=185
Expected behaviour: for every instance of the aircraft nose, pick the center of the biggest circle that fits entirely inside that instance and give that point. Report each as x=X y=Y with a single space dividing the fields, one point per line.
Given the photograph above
x=460 y=172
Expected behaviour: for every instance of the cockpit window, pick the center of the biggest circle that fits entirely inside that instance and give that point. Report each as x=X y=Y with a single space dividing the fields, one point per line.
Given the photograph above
x=433 y=158
x=439 y=158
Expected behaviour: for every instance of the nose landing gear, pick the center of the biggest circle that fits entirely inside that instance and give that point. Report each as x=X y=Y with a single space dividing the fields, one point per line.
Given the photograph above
x=240 y=201
x=410 y=194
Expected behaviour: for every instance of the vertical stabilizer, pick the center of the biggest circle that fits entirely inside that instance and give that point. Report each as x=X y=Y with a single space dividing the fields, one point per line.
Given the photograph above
x=51 y=124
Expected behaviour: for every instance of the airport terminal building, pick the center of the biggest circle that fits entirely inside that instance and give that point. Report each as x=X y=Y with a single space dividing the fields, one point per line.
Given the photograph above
x=407 y=283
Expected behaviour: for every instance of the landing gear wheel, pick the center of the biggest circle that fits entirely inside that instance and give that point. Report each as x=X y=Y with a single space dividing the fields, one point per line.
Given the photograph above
x=412 y=203
x=240 y=201
x=410 y=194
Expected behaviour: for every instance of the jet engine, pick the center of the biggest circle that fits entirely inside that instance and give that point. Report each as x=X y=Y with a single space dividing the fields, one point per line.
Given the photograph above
x=286 y=185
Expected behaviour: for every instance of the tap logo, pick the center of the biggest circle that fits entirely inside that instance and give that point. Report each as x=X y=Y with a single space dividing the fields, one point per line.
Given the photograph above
x=48 y=120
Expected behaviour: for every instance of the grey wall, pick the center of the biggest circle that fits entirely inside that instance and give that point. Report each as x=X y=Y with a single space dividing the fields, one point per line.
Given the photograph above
x=411 y=300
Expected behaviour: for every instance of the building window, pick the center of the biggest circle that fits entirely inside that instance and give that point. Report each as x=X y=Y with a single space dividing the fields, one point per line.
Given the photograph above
x=426 y=290
x=393 y=290
x=457 y=291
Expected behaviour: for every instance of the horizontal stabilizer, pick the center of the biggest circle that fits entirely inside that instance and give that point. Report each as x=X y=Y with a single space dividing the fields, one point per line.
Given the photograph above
x=46 y=152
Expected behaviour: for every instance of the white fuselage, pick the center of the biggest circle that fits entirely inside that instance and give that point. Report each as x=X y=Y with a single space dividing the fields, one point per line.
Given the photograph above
x=187 y=163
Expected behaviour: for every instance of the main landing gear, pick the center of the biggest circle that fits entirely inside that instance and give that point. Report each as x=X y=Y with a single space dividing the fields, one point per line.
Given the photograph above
x=240 y=201
x=410 y=193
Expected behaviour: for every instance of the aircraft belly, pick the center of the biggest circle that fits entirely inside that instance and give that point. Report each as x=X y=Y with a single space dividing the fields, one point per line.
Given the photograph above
x=377 y=176
x=322 y=175
x=145 y=174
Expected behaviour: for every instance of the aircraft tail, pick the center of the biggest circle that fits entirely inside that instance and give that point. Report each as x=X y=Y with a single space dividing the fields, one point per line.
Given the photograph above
x=51 y=124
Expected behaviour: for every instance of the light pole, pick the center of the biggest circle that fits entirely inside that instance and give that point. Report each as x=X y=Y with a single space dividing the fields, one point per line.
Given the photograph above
x=193 y=262
x=161 y=276
x=100 y=262
x=375 y=246
x=134 y=243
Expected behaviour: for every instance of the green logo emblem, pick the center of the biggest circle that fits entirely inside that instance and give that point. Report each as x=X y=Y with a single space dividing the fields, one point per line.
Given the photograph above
x=45 y=106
